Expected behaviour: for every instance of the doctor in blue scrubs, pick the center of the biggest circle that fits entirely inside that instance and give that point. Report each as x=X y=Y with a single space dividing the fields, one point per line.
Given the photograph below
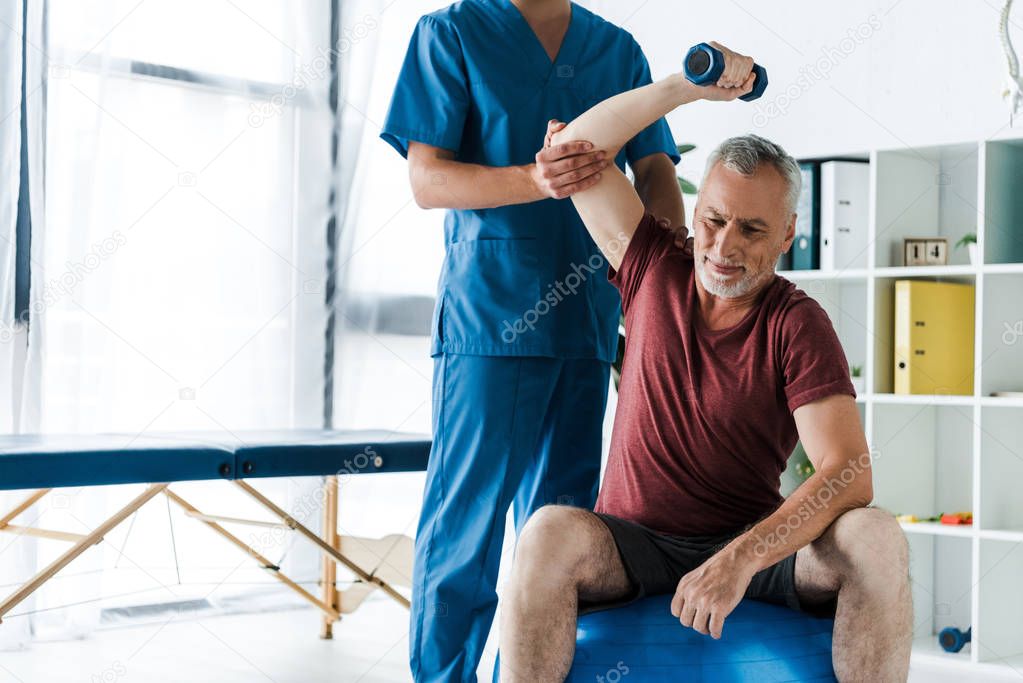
x=525 y=326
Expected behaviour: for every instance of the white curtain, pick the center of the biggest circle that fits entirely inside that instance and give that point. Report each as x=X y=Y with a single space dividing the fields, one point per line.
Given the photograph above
x=179 y=273
x=10 y=177
x=389 y=259
x=21 y=35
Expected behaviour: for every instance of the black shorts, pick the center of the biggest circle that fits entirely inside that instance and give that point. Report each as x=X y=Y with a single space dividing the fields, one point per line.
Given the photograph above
x=655 y=562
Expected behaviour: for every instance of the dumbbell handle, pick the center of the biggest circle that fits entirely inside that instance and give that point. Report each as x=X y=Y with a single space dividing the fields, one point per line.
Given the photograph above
x=705 y=63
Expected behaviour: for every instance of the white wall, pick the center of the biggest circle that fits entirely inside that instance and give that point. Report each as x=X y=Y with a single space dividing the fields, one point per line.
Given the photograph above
x=927 y=72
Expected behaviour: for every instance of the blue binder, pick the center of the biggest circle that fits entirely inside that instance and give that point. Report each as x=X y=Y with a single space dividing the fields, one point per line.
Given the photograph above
x=806 y=248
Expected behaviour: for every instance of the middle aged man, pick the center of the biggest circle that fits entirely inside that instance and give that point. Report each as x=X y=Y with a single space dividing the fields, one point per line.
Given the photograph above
x=726 y=365
x=525 y=326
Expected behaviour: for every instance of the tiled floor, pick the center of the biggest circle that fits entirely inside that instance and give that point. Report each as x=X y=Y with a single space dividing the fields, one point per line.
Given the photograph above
x=277 y=647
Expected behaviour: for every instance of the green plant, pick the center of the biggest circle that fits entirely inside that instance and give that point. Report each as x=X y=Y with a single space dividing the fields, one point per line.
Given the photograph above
x=687 y=186
x=803 y=467
x=856 y=370
x=968 y=238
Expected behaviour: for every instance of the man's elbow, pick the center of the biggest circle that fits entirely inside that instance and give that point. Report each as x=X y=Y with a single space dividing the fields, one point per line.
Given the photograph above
x=861 y=493
x=866 y=493
x=850 y=492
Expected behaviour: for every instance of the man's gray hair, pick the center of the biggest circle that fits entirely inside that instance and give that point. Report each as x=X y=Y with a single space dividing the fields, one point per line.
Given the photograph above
x=743 y=154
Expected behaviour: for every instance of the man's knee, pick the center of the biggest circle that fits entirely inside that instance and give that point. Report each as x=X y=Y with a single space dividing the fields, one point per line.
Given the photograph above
x=869 y=545
x=556 y=543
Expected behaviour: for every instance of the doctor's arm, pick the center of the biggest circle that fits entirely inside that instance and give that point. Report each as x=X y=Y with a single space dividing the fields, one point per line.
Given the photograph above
x=440 y=182
x=657 y=187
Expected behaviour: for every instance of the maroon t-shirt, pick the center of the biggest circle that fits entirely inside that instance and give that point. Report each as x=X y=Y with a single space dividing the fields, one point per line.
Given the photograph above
x=704 y=424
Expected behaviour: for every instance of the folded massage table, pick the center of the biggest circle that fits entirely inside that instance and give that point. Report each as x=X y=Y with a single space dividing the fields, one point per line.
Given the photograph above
x=44 y=462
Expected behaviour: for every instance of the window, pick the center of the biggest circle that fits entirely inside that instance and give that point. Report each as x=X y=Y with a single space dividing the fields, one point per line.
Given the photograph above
x=188 y=168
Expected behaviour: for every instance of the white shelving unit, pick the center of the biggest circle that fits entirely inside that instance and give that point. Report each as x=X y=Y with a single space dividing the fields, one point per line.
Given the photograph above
x=947 y=453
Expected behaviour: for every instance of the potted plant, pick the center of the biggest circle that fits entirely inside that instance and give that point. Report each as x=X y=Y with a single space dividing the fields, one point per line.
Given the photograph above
x=687 y=187
x=856 y=375
x=969 y=240
x=801 y=463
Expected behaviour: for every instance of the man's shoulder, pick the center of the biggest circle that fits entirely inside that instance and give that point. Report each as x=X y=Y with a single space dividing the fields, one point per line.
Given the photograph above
x=795 y=309
x=662 y=240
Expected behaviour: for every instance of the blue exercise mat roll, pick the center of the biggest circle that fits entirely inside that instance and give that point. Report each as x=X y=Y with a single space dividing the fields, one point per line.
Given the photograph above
x=643 y=642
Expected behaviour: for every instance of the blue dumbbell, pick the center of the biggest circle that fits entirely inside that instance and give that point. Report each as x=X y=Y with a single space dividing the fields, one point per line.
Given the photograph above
x=705 y=63
x=953 y=640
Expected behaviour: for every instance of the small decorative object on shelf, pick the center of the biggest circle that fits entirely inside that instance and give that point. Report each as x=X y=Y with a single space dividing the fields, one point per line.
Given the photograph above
x=1008 y=394
x=856 y=375
x=948 y=518
x=969 y=240
x=957 y=518
x=925 y=251
x=913 y=519
x=952 y=639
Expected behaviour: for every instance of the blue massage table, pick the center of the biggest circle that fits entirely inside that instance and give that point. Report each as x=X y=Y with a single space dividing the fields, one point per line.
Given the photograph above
x=45 y=462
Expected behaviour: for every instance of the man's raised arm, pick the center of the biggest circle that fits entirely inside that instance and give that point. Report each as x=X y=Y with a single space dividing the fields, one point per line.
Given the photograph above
x=611 y=209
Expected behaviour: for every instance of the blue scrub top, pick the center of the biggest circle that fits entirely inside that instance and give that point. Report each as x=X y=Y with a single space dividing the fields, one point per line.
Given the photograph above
x=527 y=279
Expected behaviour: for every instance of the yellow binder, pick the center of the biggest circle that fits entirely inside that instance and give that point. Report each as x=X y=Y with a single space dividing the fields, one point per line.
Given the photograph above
x=933 y=337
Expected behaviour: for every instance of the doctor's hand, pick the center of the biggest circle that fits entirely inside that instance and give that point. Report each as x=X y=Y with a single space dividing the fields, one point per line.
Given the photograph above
x=709 y=593
x=682 y=239
x=562 y=170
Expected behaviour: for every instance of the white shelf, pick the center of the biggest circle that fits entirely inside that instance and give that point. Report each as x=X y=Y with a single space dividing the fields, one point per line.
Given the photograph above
x=1010 y=535
x=961 y=270
x=849 y=274
x=1002 y=268
x=937 y=529
x=927 y=650
x=945 y=453
x=926 y=271
x=1001 y=402
x=923 y=399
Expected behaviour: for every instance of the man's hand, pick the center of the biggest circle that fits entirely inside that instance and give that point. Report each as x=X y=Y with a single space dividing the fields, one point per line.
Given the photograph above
x=563 y=170
x=735 y=81
x=709 y=593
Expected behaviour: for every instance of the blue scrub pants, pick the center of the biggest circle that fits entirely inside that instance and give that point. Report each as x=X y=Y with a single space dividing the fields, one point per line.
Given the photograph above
x=507 y=430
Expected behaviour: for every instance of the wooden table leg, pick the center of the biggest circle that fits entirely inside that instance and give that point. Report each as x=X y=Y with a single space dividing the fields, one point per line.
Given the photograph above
x=329 y=574
x=318 y=541
x=85 y=542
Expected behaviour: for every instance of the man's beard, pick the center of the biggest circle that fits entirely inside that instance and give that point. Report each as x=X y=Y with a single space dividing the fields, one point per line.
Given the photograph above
x=732 y=290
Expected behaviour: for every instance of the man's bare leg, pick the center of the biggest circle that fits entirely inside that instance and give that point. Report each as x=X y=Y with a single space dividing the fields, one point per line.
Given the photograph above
x=863 y=559
x=564 y=555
